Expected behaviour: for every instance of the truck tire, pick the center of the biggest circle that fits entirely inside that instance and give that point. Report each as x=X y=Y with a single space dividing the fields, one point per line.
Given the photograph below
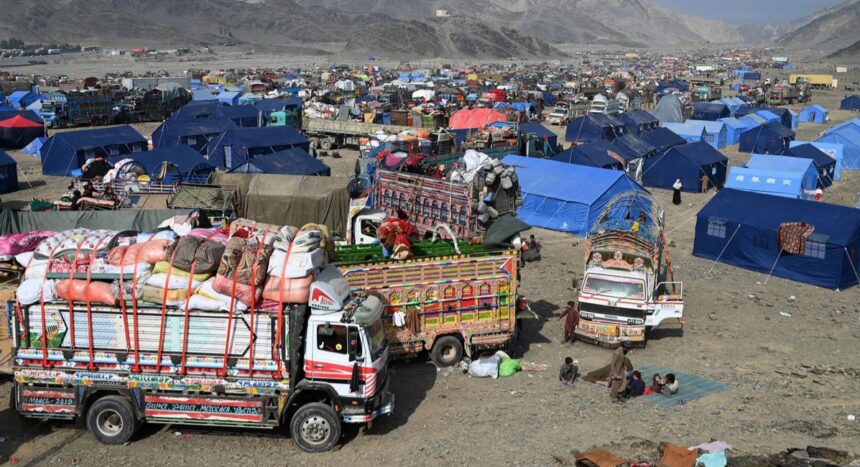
x=95 y=121
x=111 y=420
x=326 y=144
x=446 y=351
x=63 y=123
x=315 y=428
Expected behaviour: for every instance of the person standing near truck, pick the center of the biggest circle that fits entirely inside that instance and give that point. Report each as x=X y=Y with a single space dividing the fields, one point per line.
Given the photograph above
x=572 y=319
x=618 y=371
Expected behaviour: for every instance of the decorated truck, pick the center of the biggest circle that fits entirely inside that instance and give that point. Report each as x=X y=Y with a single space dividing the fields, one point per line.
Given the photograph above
x=451 y=298
x=328 y=134
x=628 y=286
x=274 y=338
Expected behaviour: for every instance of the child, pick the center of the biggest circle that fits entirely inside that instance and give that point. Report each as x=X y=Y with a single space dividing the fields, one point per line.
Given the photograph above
x=670 y=386
x=636 y=387
x=568 y=372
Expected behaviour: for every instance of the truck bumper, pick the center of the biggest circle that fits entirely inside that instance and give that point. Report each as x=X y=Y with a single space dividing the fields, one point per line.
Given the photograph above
x=608 y=334
x=383 y=403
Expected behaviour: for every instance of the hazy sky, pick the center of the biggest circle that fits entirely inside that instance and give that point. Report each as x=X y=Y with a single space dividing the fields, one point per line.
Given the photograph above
x=737 y=12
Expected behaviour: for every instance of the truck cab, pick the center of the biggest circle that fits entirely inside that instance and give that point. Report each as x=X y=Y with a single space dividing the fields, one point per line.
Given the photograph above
x=601 y=105
x=54 y=111
x=560 y=115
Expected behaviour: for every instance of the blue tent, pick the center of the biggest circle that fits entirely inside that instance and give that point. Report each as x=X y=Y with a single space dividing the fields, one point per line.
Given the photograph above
x=662 y=138
x=768 y=116
x=749 y=237
x=733 y=103
x=549 y=137
x=229 y=97
x=854 y=123
x=734 y=128
x=850 y=103
x=669 y=109
x=35 y=146
x=295 y=161
x=8 y=174
x=752 y=121
x=593 y=127
x=775 y=175
x=715 y=132
x=825 y=165
x=814 y=114
x=203 y=95
x=67 y=151
x=549 y=99
x=186 y=163
x=197 y=110
x=689 y=131
x=633 y=147
x=267 y=106
x=601 y=154
x=849 y=138
x=770 y=138
x=688 y=163
x=21 y=99
x=711 y=111
x=785 y=116
x=834 y=151
x=637 y=121
x=193 y=133
x=235 y=147
x=244 y=116
x=565 y=197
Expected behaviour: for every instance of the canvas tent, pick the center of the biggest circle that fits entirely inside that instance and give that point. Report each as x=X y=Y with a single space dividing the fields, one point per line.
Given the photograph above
x=537 y=138
x=237 y=146
x=715 y=132
x=850 y=103
x=182 y=163
x=668 y=110
x=8 y=174
x=691 y=132
x=814 y=114
x=688 y=163
x=193 y=133
x=35 y=147
x=18 y=129
x=784 y=115
x=849 y=139
x=593 y=127
x=775 y=175
x=637 y=121
x=601 y=154
x=662 y=138
x=825 y=165
x=711 y=111
x=292 y=200
x=734 y=128
x=836 y=151
x=295 y=161
x=65 y=152
x=805 y=241
x=565 y=197
x=244 y=116
x=770 y=138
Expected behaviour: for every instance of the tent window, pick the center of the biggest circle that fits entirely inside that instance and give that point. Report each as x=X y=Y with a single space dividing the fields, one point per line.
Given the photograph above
x=191 y=141
x=136 y=147
x=717 y=228
x=113 y=150
x=815 y=246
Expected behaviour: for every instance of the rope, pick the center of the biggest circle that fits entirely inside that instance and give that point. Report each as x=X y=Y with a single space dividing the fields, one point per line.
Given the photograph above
x=253 y=330
x=724 y=249
x=281 y=284
x=852 y=265
x=187 y=318
x=71 y=304
x=773 y=267
x=164 y=311
x=91 y=349
x=136 y=367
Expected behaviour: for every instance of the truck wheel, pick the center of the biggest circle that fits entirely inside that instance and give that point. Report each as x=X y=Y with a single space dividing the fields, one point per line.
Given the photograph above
x=111 y=420
x=94 y=121
x=63 y=123
x=447 y=351
x=315 y=427
x=326 y=144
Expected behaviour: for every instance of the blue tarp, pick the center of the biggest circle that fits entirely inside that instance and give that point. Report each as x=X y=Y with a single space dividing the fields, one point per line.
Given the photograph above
x=294 y=161
x=187 y=162
x=662 y=138
x=849 y=138
x=593 y=127
x=850 y=103
x=689 y=131
x=193 y=133
x=67 y=151
x=770 y=138
x=235 y=147
x=835 y=151
x=638 y=121
x=715 y=132
x=601 y=154
x=687 y=163
x=742 y=229
x=229 y=97
x=565 y=197
x=825 y=165
x=549 y=99
x=21 y=99
x=8 y=174
x=710 y=111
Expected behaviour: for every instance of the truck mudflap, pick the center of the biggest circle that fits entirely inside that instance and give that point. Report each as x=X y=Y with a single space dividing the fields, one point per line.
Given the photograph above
x=610 y=334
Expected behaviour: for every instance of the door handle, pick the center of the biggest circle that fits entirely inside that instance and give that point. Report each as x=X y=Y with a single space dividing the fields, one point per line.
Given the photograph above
x=319 y=366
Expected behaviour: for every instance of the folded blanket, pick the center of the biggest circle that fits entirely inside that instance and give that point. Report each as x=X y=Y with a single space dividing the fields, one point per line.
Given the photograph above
x=153 y=294
x=162 y=267
x=175 y=283
x=205 y=254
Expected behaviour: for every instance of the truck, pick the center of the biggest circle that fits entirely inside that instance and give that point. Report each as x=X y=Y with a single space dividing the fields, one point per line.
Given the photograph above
x=565 y=112
x=815 y=80
x=451 y=299
x=708 y=93
x=77 y=108
x=154 y=105
x=628 y=286
x=312 y=367
x=783 y=94
x=331 y=134
x=601 y=105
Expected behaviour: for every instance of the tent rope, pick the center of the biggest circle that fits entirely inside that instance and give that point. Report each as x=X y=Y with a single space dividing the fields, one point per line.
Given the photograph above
x=852 y=264
x=724 y=249
x=773 y=267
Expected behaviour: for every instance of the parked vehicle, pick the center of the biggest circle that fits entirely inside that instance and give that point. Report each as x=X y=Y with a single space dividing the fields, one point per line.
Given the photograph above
x=151 y=106
x=565 y=112
x=331 y=134
x=454 y=298
x=601 y=105
x=77 y=108
x=782 y=95
x=820 y=81
x=628 y=286
x=312 y=367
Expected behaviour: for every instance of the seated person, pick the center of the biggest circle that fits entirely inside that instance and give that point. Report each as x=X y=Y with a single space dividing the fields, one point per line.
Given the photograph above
x=635 y=385
x=568 y=372
x=670 y=385
x=657 y=383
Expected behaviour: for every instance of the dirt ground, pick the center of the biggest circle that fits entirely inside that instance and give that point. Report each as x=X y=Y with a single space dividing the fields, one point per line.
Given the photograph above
x=786 y=352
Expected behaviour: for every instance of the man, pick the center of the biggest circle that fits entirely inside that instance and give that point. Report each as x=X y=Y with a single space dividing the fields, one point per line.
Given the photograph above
x=618 y=371
x=572 y=315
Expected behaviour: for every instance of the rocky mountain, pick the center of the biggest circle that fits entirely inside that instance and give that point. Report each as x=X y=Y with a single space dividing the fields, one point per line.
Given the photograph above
x=827 y=29
x=849 y=54
x=763 y=33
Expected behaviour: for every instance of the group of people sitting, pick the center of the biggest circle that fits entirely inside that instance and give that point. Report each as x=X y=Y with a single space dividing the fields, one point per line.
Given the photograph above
x=636 y=387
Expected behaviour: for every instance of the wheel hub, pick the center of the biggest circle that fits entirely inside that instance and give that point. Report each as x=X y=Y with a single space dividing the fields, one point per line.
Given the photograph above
x=315 y=429
x=109 y=422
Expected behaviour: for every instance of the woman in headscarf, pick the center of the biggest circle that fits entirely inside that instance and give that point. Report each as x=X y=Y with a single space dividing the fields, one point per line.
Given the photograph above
x=676 y=191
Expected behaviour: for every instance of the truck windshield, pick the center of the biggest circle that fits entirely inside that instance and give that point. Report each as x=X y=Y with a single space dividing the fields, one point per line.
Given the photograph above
x=376 y=339
x=614 y=287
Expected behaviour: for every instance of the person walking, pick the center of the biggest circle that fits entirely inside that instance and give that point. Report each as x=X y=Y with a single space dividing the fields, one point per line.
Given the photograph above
x=618 y=371
x=572 y=319
x=676 y=191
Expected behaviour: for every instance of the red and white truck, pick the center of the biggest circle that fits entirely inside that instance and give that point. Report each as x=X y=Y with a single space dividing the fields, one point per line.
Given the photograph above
x=312 y=367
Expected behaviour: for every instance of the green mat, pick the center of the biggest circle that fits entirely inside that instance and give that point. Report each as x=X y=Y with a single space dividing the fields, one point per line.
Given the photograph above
x=689 y=387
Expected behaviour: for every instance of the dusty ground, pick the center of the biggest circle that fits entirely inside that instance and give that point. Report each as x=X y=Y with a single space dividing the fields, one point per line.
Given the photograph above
x=791 y=380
